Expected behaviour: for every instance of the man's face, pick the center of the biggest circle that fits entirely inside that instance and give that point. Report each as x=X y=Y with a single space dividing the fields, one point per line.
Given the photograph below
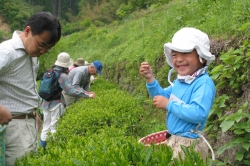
x=36 y=45
x=92 y=70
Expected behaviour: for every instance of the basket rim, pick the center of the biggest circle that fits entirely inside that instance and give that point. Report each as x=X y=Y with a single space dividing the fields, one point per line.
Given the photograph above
x=2 y=128
x=152 y=135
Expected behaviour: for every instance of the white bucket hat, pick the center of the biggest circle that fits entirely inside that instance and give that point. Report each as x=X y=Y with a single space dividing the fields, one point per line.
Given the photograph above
x=186 y=40
x=63 y=60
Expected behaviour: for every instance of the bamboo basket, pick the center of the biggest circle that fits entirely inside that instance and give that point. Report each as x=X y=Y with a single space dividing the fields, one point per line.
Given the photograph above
x=155 y=138
x=2 y=145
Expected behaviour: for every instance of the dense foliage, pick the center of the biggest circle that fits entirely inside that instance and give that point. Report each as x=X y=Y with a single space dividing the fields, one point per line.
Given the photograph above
x=75 y=15
x=105 y=131
x=15 y=13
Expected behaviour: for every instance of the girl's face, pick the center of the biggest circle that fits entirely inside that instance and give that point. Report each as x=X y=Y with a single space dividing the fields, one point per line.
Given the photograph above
x=186 y=63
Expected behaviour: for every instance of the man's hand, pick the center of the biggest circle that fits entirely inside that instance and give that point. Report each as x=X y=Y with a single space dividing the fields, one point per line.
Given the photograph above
x=5 y=116
x=160 y=102
x=146 y=71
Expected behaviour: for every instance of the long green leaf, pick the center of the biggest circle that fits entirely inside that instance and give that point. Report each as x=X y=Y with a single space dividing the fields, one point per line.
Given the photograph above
x=226 y=125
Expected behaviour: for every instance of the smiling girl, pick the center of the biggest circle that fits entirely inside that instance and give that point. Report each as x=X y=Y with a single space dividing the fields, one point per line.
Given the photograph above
x=189 y=98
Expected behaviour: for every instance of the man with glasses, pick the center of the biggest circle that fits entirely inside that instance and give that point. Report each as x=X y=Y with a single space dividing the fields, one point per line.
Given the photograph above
x=18 y=72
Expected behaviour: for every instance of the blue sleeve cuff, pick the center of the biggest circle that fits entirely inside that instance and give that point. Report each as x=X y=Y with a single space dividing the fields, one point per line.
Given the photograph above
x=151 y=84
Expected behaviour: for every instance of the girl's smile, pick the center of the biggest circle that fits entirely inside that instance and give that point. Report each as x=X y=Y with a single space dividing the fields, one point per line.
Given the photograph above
x=186 y=63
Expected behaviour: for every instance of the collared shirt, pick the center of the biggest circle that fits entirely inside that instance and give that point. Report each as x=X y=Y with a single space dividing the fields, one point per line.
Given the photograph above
x=18 y=71
x=80 y=78
x=65 y=84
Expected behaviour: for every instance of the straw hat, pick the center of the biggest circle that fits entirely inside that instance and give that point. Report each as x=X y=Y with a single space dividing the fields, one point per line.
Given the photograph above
x=80 y=62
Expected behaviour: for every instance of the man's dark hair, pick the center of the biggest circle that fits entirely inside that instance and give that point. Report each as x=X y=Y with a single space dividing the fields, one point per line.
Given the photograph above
x=45 y=21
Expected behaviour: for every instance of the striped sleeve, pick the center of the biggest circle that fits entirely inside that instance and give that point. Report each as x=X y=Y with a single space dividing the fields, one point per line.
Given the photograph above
x=65 y=84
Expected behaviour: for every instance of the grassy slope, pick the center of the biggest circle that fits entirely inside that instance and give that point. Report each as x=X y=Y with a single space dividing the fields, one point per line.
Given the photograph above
x=122 y=46
x=144 y=33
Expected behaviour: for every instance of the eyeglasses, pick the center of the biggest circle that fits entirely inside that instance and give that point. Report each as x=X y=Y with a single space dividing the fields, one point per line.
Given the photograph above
x=42 y=47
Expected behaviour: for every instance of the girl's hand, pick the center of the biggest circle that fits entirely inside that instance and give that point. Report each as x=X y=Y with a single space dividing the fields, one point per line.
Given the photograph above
x=160 y=102
x=146 y=71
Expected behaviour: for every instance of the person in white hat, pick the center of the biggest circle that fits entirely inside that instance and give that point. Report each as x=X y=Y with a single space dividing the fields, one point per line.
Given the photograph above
x=54 y=109
x=190 y=97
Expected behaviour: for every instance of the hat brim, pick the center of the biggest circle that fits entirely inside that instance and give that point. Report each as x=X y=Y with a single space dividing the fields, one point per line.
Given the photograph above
x=168 y=47
x=79 y=64
x=99 y=72
x=65 y=65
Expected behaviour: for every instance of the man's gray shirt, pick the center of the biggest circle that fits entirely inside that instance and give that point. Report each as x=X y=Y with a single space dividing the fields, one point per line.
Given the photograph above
x=80 y=78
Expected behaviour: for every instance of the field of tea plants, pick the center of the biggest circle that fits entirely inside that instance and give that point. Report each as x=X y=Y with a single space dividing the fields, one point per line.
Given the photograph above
x=105 y=131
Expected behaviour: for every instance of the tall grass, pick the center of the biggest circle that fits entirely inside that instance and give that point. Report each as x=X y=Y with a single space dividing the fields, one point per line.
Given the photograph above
x=145 y=34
